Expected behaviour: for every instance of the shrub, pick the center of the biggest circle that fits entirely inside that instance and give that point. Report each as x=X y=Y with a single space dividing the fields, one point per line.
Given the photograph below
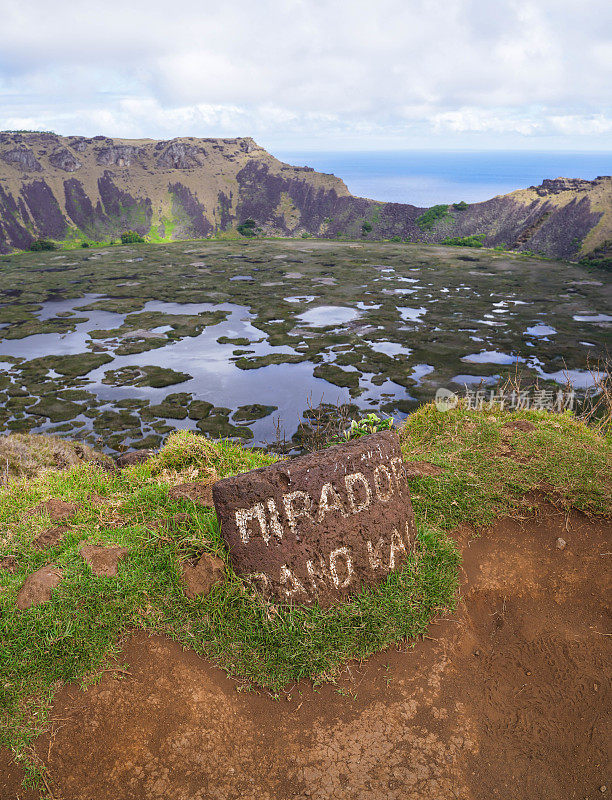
x=248 y=228
x=501 y=247
x=461 y=206
x=43 y=244
x=475 y=240
x=429 y=218
x=366 y=228
x=396 y=238
x=131 y=237
x=84 y=244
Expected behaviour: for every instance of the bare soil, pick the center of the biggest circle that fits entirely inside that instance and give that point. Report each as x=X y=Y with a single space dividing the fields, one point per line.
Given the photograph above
x=507 y=698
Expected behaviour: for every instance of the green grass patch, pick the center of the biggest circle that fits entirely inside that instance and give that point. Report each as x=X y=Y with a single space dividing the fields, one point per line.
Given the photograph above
x=428 y=219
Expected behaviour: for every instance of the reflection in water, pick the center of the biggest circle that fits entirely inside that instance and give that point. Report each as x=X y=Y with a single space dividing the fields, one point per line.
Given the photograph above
x=322 y=316
x=540 y=330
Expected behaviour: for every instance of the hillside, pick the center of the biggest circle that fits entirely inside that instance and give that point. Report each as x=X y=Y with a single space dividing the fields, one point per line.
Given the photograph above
x=71 y=188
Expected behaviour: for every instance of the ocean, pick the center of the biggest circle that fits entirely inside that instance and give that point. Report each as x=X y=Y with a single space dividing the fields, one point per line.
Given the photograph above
x=425 y=178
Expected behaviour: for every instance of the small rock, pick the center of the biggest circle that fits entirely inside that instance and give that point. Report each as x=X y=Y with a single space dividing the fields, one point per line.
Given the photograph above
x=50 y=537
x=38 y=586
x=103 y=560
x=194 y=490
x=560 y=544
x=134 y=457
x=200 y=578
x=58 y=510
x=603 y=789
x=419 y=469
x=519 y=425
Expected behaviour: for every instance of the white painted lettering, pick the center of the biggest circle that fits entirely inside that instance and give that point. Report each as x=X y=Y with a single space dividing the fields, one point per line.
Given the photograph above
x=318 y=573
x=291 y=584
x=380 y=482
x=399 y=472
x=344 y=553
x=245 y=515
x=275 y=525
x=330 y=501
x=292 y=499
x=350 y=482
x=397 y=545
x=375 y=554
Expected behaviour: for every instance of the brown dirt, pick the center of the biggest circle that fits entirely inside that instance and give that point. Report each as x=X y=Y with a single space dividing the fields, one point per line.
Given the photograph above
x=50 y=537
x=58 y=510
x=198 y=579
x=134 y=457
x=103 y=561
x=505 y=699
x=422 y=469
x=38 y=586
x=193 y=490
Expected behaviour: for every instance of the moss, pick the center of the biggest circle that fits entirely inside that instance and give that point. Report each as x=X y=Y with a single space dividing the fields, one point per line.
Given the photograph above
x=57 y=410
x=253 y=412
x=156 y=377
x=334 y=374
x=220 y=428
x=168 y=411
x=199 y=409
x=70 y=366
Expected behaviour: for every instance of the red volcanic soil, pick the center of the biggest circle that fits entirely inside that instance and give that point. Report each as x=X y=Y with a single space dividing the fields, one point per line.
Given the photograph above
x=506 y=698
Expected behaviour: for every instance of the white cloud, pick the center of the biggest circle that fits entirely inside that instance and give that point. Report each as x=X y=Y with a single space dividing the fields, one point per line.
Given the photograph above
x=320 y=70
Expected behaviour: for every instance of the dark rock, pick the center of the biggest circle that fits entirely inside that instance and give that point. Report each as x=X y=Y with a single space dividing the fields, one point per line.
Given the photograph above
x=422 y=469
x=200 y=493
x=103 y=560
x=519 y=425
x=323 y=525
x=38 y=586
x=58 y=510
x=62 y=158
x=50 y=537
x=122 y=155
x=200 y=578
x=134 y=457
x=22 y=157
x=179 y=156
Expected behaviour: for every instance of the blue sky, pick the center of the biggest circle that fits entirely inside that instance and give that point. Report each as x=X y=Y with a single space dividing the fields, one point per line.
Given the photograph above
x=315 y=74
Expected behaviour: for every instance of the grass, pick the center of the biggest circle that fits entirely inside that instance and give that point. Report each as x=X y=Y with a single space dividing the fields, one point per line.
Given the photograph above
x=487 y=471
x=428 y=219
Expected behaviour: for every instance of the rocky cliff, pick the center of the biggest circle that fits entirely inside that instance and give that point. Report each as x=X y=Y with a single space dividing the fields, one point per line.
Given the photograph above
x=70 y=188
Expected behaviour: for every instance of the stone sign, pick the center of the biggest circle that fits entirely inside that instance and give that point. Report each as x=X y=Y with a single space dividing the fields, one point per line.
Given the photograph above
x=321 y=526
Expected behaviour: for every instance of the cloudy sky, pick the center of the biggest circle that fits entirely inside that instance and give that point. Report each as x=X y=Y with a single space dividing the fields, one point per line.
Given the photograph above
x=314 y=74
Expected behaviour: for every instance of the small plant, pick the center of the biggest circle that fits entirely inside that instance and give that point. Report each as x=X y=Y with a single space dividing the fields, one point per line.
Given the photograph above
x=371 y=423
x=43 y=244
x=396 y=238
x=85 y=244
x=501 y=247
x=429 y=218
x=366 y=228
x=305 y=235
x=131 y=237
